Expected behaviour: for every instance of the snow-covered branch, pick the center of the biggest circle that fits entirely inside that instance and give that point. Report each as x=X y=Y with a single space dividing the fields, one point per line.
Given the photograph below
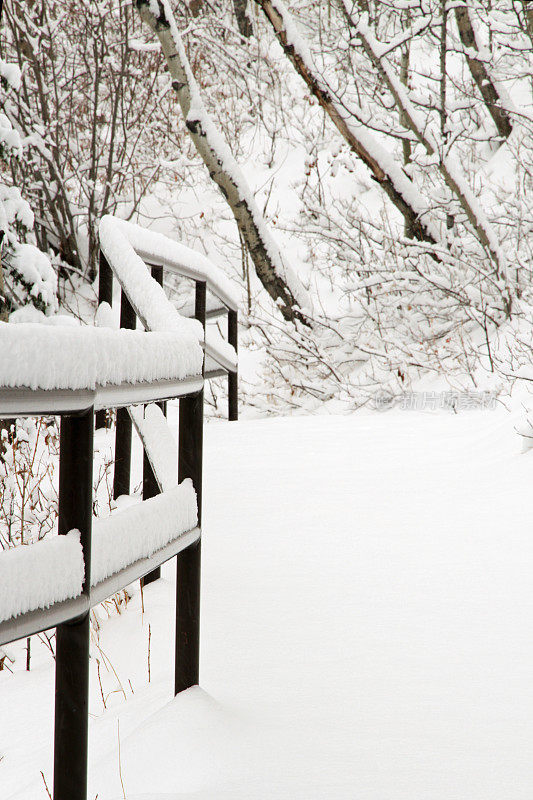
x=480 y=73
x=429 y=138
x=391 y=177
x=280 y=281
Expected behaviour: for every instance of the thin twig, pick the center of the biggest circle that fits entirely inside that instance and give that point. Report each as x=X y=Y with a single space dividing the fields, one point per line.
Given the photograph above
x=46 y=785
x=119 y=761
x=149 y=640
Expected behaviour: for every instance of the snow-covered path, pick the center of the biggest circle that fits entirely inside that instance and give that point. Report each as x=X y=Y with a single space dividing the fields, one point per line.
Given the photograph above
x=367 y=608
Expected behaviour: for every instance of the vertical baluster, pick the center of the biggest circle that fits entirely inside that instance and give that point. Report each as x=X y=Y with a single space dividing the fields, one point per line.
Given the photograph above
x=105 y=281
x=150 y=487
x=72 y=638
x=105 y=295
x=191 y=418
x=121 y=482
x=233 y=377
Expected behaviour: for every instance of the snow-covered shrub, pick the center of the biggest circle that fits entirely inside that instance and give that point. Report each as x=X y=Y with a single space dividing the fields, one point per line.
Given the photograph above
x=26 y=274
x=101 y=129
x=28 y=486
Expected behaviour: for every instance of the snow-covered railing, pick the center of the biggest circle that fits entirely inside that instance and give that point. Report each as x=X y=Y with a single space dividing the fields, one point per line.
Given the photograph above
x=135 y=255
x=138 y=258
x=67 y=372
x=42 y=575
x=71 y=372
x=48 y=369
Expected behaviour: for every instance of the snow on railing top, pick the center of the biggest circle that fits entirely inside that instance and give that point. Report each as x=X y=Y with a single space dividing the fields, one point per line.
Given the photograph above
x=147 y=298
x=48 y=357
x=141 y=529
x=158 y=250
x=128 y=249
x=38 y=575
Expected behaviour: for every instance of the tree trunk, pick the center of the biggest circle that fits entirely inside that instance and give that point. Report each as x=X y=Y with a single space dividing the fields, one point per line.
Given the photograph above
x=481 y=75
x=392 y=180
x=243 y=20
x=528 y=13
x=5 y=424
x=282 y=285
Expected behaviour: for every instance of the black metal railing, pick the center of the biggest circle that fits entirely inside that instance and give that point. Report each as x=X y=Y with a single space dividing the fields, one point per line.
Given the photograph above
x=77 y=412
x=128 y=319
x=226 y=306
x=71 y=618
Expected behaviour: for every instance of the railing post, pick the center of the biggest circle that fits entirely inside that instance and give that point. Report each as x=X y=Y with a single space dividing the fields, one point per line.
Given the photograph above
x=72 y=638
x=157 y=273
x=190 y=449
x=187 y=665
x=121 y=481
x=105 y=281
x=233 y=377
x=150 y=487
x=105 y=295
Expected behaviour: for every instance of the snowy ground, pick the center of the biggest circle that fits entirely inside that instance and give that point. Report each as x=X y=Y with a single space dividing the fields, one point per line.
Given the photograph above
x=366 y=630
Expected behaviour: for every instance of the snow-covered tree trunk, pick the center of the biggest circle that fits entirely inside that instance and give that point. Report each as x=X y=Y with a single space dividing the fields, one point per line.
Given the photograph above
x=390 y=177
x=4 y=307
x=244 y=22
x=278 y=279
x=5 y=424
x=480 y=73
x=425 y=134
x=527 y=5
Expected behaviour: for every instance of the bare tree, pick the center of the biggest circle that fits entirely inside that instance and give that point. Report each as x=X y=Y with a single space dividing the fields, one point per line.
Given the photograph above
x=279 y=280
x=480 y=73
x=394 y=182
x=243 y=20
x=85 y=88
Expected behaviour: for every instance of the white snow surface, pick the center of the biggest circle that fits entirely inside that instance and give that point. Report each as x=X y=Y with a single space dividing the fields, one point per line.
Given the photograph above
x=159 y=443
x=366 y=626
x=40 y=574
x=14 y=210
x=9 y=137
x=49 y=356
x=219 y=347
x=139 y=530
x=11 y=74
x=35 y=269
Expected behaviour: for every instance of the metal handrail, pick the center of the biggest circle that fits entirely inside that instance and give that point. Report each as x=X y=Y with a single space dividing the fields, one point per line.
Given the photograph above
x=76 y=409
x=71 y=617
x=42 y=619
x=180 y=267
x=27 y=402
x=204 y=273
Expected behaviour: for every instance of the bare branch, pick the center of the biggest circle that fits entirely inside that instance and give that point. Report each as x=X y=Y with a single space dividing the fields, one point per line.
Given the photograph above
x=279 y=281
x=430 y=141
x=391 y=178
